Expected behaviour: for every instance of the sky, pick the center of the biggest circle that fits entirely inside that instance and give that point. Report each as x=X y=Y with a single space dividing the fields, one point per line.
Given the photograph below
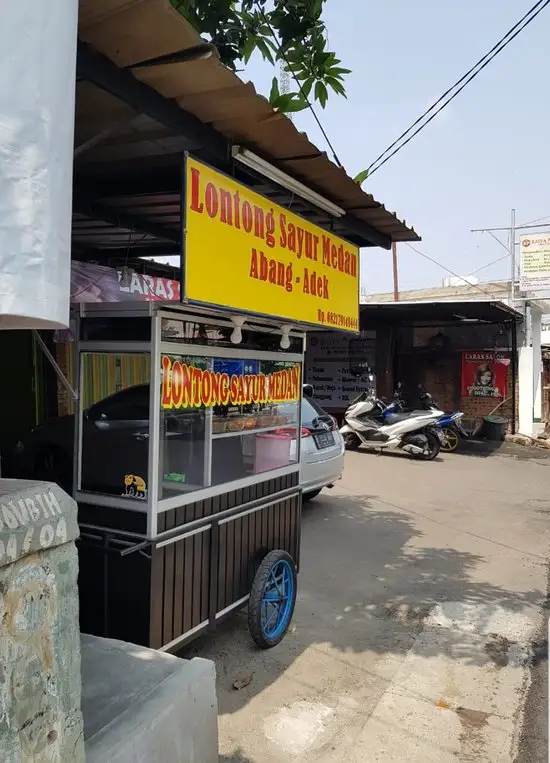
x=488 y=152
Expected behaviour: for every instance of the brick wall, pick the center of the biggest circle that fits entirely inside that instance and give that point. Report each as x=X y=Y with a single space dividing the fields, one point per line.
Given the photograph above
x=475 y=408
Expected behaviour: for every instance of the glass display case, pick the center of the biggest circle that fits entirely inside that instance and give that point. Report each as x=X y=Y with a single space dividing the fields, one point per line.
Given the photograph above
x=186 y=465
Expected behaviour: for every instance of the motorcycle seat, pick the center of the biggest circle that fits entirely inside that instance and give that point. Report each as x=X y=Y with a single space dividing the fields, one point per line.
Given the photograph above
x=394 y=418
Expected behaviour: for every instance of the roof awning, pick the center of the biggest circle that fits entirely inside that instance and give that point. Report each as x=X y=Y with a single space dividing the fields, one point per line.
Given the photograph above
x=133 y=124
x=434 y=313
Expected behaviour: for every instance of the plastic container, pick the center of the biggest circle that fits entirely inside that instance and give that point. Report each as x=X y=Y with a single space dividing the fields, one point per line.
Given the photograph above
x=494 y=428
x=272 y=452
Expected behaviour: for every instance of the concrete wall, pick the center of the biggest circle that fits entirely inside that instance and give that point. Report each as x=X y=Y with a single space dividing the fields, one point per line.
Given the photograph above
x=144 y=706
x=40 y=718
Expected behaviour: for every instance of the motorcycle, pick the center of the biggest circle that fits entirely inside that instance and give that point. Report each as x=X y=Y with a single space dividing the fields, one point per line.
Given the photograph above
x=450 y=423
x=366 y=423
x=453 y=431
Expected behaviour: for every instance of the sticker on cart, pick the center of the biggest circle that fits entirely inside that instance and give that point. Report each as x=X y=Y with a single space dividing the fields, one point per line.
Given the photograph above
x=134 y=487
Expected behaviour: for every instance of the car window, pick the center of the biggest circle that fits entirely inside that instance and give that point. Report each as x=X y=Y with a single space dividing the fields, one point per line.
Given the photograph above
x=131 y=404
x=311 y=410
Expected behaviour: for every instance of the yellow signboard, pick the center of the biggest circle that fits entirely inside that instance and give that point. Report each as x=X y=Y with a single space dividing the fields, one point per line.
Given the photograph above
x=244 y=252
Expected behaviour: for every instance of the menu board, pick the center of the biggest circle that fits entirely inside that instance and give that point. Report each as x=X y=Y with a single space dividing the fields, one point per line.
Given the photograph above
x=337 y=366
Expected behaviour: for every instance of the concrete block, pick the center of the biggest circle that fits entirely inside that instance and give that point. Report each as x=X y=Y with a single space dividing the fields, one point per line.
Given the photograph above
x=140 y=705
x=40 y=718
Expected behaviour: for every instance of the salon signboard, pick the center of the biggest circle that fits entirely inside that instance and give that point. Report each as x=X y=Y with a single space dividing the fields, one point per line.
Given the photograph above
x=484 y=374
x=243 y=251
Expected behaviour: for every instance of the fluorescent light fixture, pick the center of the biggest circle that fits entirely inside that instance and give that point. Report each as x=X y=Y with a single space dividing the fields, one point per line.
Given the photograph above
x=256 y=162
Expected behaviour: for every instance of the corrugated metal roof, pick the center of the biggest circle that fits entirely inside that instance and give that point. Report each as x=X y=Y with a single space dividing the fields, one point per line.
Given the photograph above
x=130 y=31
x=478 y=292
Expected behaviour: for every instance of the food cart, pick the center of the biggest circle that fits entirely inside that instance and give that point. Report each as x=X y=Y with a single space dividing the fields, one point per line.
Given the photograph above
x=187 y=447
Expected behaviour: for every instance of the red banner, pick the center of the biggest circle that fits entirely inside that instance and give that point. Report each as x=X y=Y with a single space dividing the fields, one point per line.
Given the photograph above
x=484 y=374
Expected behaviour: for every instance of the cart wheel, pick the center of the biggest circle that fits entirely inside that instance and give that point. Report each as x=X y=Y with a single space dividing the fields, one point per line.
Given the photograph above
x=272 y=599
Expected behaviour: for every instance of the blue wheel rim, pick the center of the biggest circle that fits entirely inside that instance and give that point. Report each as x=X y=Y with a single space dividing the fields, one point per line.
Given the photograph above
x=277 y=601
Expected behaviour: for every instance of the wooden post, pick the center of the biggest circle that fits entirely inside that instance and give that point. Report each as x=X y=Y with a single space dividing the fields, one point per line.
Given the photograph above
x=395 y=279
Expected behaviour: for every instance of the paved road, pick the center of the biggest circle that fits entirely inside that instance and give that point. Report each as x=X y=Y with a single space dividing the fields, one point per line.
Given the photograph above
x=421 y=596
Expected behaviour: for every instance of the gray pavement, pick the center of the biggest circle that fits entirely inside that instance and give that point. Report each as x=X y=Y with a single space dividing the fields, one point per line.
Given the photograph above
x=418 y=633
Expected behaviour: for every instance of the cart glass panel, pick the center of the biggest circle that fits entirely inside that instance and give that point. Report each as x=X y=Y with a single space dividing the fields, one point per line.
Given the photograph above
x=225 y=419
x=115 y=423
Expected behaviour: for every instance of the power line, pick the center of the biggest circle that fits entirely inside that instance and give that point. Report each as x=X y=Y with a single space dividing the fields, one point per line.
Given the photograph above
x=444 y=267
x=463 y=82
x=304 y=95
x=531 y=222
x=488 y=265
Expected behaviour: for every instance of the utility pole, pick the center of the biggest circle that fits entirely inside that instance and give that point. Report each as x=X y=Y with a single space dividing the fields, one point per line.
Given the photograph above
x=512 y=257
x=395 y=277
x=511 y=246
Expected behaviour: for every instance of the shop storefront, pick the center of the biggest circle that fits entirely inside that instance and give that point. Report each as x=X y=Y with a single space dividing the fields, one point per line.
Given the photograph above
x=186 y=454
x=463 y=353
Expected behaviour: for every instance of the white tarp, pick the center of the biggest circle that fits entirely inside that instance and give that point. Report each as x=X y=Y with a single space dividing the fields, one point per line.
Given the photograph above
x=37 y=100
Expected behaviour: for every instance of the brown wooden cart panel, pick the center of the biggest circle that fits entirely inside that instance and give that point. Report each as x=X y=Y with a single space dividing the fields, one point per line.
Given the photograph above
x=169 y=520
x=162 y=593
x=198 y=578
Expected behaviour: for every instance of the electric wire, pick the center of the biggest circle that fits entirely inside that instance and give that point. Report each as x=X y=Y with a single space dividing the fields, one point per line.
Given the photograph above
x=470 y=75
x=444 y=267
x=488 y=265
x=532 y=222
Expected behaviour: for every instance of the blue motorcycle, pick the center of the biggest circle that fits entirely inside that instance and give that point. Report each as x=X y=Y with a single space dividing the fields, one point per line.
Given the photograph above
x=450 y=425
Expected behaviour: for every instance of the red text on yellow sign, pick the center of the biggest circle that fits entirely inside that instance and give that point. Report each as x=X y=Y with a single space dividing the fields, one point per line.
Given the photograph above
x=185 y=386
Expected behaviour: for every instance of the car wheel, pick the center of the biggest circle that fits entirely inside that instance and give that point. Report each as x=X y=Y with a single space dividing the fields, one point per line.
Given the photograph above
x=310 y=495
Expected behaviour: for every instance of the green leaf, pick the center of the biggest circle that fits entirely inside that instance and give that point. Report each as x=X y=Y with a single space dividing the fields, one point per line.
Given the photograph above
x=321 y=94
x=264 y=50
x=274 y=94
x=288 y=102
x=361 y=177
x=316 y=8
x=294 y=56
x=306 y=86
x=336 y=85
x=337 y=72
x=297 y=104
x=248 y=48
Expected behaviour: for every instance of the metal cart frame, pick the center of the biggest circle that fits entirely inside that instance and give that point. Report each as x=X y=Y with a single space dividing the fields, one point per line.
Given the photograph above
x=161 y=571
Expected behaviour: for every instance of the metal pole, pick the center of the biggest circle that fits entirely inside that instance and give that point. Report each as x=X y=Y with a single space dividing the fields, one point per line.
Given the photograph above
x=514 y=337
x=512 y=257
x=395 y=278
x=61 y=376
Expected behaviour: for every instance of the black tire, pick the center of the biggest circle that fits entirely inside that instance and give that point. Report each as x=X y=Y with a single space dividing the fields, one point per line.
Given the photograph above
x=257 y=594
x=311 y=495
x=434 y=446
x=52 y=465
x=351 y=441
